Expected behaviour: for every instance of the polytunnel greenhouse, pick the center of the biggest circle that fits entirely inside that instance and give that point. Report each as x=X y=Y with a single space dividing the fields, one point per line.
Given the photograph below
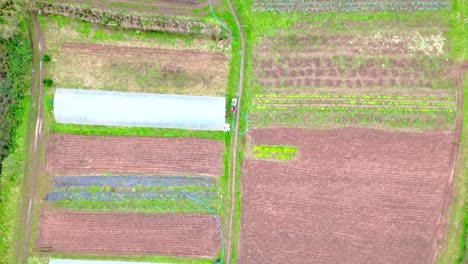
x=90 y=107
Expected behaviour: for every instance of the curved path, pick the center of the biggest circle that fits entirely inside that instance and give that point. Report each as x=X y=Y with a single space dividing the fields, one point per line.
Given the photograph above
x=236 y=133
x=34 y=135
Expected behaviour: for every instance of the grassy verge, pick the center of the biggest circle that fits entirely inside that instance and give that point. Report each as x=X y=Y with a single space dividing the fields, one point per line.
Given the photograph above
x=10 y=192
x=224 y=13
x=185 y=206
x=19 y=59
x=134 y=131
x=454 y=250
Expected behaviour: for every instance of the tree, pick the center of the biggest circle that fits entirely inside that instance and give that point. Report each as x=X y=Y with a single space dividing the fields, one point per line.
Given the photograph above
x=46 y=58
x=48 y=82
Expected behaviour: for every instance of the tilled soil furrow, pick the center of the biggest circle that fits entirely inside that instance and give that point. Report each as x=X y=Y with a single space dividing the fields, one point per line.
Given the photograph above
x=92 y=155
x=128 y=234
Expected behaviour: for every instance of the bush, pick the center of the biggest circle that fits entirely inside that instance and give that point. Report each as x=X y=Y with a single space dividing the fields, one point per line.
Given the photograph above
x=46 y=58
x=48 y=82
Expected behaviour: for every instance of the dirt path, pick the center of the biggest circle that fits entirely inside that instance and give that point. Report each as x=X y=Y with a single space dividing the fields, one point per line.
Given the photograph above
x=33 y=138
x=236 y=133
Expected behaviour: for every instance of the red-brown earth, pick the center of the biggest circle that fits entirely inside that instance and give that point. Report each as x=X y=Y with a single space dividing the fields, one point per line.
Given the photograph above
x=97 y=155
x=113 y=234
x=350 y=196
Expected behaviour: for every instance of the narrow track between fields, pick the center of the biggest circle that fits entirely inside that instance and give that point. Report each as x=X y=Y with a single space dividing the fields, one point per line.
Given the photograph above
x=34 y=135
x=233 y=170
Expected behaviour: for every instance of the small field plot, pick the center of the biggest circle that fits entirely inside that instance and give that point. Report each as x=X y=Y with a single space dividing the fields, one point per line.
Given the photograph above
x=123 y=234
x=121 y=60
x=350 y=196
x=94 y=155
x=134 y=193
x=326 y=73
x=160 y=7
x=133 y=69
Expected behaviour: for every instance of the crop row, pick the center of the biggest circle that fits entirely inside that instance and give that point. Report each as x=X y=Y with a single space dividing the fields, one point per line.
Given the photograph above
x=125 y=196
x=274 y=152
x=308 y=101
x=351 y=96
x=344 y=108
x=133 y=181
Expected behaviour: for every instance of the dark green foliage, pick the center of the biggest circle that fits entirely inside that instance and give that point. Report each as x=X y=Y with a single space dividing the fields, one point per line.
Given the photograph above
x=13 y=86
x=48 y=82
x=46 y=58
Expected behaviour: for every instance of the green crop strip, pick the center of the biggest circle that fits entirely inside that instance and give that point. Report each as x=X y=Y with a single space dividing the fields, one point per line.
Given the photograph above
x=350 y=96
x=274 y=152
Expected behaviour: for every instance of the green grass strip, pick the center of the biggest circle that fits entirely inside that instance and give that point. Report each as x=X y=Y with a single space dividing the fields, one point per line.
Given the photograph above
x=135 y=131
x=156 y=206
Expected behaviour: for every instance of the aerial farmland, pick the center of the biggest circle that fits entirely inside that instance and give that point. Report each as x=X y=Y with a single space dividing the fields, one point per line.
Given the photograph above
x=240 y=131
x=354 y=127
x=151 y=184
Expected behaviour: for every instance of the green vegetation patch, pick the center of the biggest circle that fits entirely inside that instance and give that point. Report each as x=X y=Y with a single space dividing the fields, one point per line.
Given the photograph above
x=274 y=152
x=14 y=112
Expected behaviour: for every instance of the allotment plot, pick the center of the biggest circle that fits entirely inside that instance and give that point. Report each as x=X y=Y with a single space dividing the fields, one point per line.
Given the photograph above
x=349 y=196
x=95 y=155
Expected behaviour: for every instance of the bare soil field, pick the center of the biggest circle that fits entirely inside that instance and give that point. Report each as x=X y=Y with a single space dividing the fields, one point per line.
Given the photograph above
x=113 y=234
x=160 y=7
x=133 y=69
x=96 y=155
x=349 y=196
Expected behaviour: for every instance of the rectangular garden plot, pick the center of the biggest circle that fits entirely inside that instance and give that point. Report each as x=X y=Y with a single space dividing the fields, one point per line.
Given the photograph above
x=94 y=155
x=113 y=234
x=345 y=73
x=136 y=69
x=150 y=194
x=350 y=196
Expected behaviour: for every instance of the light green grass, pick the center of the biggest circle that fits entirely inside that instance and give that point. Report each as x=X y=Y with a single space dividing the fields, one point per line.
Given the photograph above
x=38 y=260
x=274 y=152
x=454 y=249
x=185 y=206
x=11 y=178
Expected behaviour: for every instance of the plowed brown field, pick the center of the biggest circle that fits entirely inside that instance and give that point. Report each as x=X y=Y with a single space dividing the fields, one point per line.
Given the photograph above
x=94 y=155
x=128 y=234
x=350 y=196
